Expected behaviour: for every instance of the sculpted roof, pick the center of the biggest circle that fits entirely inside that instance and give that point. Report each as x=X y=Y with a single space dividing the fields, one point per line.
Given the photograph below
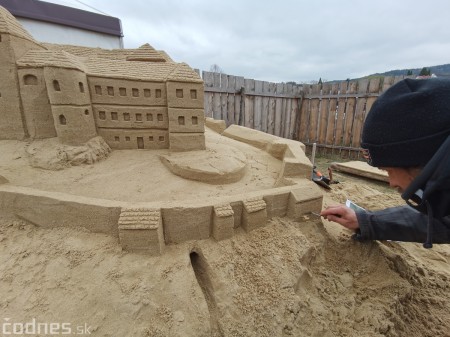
x=144 y=63
x=45 y=58
x=9 y=24
x=138 y=70
x=145 y=51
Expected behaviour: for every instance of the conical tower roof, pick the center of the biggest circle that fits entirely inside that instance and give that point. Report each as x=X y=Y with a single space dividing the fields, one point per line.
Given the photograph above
x=10 y=25
x=146 y=53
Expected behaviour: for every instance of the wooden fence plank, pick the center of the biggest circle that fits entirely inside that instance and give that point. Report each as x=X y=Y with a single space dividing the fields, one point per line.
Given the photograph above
x=224 y=98
x=257 y=110
x=238 y=101
x=340 y=116
x=272 y=107
x=324 y=115
x=304 y=120
x=288 y=111
x=278 y=111
x=249 y=101
x=208 y=81
x=231 y=106
x=313 y=120
x=265 y=106
x=217 y=106
x=296 y=105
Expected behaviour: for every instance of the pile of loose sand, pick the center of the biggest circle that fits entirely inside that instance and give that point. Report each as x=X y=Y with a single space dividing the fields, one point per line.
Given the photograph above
x=289 y=278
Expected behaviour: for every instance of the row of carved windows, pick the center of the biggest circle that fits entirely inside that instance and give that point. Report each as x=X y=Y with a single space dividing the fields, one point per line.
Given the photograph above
x=63 y=120
x=30 y=79
x=150 y=138
x=182 y=120
x=126 y=116
x=135 y=92
x=180 y=93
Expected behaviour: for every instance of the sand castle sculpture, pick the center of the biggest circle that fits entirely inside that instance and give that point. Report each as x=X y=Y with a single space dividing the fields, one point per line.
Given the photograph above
x=133 y=99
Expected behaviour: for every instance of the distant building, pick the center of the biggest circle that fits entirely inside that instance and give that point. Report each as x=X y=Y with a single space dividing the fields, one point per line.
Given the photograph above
x=133 y=98
x=52 y=23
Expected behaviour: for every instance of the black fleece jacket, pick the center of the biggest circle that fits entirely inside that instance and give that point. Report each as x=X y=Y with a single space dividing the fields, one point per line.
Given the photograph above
x=426 y=218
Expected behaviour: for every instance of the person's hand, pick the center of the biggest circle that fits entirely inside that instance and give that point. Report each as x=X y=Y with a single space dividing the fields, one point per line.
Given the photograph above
x=341 y=214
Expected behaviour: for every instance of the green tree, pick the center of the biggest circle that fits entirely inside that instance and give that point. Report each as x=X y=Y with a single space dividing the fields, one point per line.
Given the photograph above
x=425 y=72
x=409 y=73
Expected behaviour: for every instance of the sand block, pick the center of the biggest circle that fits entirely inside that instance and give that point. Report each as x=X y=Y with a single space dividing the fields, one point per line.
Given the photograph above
x=186 y=223
x=306 y=199
x=223 y=222
x=218 y=126
x=254 y=214
x=140 y=229
x=54 y=209
x=187 y=141
x=361 y=169
x=276 y=203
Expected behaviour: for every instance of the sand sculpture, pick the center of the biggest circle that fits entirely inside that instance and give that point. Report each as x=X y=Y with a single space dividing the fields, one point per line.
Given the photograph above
x=136 y=99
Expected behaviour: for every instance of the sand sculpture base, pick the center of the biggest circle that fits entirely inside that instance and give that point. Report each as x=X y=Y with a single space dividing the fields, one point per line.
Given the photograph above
x=150 y=225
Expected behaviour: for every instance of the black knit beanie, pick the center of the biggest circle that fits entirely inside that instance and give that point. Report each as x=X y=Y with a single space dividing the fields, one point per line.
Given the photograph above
x=407 y=124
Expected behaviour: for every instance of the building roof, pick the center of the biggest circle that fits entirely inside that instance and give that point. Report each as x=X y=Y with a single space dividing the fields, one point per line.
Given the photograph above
x=94 y=65
x=145 y=51
x=42 y=58
x=9 y=25
x=63 y=15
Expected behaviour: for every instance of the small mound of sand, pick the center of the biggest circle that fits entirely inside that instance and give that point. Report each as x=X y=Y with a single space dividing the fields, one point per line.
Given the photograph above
x=219 y=164
x=50 y=154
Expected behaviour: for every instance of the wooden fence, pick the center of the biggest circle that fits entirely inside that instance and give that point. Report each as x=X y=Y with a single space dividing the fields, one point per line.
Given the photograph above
x=265 y=106
x=330 y=114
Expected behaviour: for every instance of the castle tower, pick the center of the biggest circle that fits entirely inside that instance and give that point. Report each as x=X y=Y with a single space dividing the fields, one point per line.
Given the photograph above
x=14 y=43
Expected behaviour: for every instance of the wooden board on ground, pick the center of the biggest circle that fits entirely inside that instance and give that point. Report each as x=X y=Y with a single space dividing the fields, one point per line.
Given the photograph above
x=362 y=169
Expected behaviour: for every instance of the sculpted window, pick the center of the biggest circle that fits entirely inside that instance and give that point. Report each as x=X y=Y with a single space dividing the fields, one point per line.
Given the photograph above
x=194 y=120
x=150 y=117
x=139 y=117
x=30 y=80
x=179 y=93
x=158 y=93
x=161 y=138
x=147 y=92
x=193 y=94
x=62 y=120
x=80 y=84
x=122 y=91
x=86 y=112
x=114 y=116
x=150 y=138
x=127 y=139
x=56 y=85
x=180 y=120
x=126 y=116
x=116 y=138
x=98 y=89
x=110 y=91
x=160 y=118
x=135 y=92
x=102 y=115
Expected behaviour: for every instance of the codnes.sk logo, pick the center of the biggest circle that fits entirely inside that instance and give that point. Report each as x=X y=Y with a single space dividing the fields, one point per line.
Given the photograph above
x=34 y=327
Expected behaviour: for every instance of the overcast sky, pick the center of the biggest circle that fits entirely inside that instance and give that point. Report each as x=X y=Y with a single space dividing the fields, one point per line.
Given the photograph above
x=287 y=40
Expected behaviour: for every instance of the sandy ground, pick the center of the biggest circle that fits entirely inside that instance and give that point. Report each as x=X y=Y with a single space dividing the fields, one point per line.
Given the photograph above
x=305 y=278
x=138 y=175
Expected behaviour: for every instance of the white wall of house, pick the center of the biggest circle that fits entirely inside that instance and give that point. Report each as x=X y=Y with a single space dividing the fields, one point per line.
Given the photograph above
x=55 y=33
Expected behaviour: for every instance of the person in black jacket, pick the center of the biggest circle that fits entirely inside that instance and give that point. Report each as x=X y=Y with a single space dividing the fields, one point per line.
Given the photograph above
x=407 y=133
